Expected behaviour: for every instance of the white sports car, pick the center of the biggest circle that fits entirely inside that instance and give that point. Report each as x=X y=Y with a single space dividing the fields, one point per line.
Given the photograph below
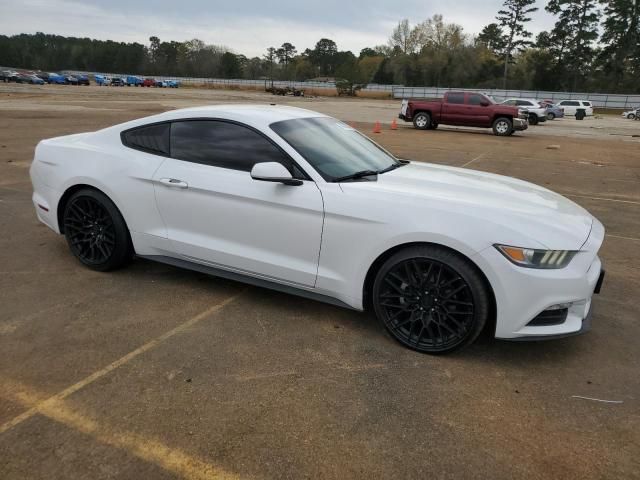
x=298 y=201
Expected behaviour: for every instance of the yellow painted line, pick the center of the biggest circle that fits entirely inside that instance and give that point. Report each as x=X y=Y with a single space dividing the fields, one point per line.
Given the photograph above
x=146 y=448
x=112 y=366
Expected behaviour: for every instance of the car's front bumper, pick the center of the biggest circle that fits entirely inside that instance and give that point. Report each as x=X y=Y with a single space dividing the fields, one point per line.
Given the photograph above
x=522 y=294
x=520 y=124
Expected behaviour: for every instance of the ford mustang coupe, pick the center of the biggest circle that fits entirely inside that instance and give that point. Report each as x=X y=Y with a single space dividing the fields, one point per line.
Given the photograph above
x=298 y=201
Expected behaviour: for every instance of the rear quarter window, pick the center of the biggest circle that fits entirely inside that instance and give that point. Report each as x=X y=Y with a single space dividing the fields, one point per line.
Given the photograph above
x=150 y=138
x=457 y=98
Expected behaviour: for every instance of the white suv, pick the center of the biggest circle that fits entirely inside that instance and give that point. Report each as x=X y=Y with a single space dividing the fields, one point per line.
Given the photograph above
x=572 y=106
x=537 y=113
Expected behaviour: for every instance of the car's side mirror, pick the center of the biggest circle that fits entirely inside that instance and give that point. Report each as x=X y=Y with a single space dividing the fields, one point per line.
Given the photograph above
x=484 y=103
x=273 y=172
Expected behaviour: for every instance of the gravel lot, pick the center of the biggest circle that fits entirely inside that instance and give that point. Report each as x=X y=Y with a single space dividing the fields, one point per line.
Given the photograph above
x=155 y=372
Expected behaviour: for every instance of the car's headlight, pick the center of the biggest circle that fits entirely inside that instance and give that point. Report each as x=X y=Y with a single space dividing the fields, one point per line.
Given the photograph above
x=533 y=258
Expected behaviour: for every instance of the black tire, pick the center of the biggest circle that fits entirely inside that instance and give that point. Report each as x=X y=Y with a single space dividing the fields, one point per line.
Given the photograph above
x=96 y=232
x=551 y=116
x=430 y=299
x=631 y=116
x=422 y=120
x=502 y=127
x=434 y=125
x=533 y=119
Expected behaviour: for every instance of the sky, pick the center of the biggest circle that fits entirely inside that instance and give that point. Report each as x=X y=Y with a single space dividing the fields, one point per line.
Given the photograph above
x=245 y=26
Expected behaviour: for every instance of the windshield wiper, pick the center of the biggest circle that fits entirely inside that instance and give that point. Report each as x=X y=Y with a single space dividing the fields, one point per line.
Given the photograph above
x=393 y=166
x=355 y=176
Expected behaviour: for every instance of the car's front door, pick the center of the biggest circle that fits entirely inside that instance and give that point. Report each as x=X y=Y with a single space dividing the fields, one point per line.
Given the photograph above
x=217 y=214
x=479 y=114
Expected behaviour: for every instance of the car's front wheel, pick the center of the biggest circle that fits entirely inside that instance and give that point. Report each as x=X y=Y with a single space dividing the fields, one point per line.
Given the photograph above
x=422 y=120
x=631 y=116
x=533 y=119
x=430 y=299
x=95 y=231
x=503 y=127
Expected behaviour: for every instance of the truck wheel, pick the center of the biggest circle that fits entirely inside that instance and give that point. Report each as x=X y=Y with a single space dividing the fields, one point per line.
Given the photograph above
x=422 y=121
x=533 y=119
x=502 y=127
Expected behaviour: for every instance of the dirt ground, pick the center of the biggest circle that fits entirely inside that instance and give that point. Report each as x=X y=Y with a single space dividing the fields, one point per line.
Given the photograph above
x=155 y=372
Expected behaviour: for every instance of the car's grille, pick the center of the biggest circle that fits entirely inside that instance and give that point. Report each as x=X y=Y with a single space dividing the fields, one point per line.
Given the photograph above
x=549 y=317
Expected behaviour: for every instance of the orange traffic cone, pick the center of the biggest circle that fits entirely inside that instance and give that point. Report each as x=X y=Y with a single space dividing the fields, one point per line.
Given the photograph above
x=394 y=125
x=377 y=128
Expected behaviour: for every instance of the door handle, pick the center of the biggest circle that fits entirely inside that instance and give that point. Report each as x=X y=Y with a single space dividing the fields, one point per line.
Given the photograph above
x=174 y=182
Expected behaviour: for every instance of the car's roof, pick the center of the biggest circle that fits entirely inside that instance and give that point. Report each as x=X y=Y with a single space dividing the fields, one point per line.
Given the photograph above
x=259 y=116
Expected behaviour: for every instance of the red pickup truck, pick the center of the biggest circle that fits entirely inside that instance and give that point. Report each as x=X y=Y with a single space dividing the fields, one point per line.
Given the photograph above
x=465 y=109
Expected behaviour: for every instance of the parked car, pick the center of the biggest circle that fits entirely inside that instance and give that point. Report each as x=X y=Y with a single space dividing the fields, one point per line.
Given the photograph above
x=29 y=78
x=172 y=83
x=56 y=78
x=537 y=113
x=553 y=110
x=571 y=107
x=467 y=109
x=254 y=192
x=44 y=76
x=148 y=82
x=10 y=76
x=82 y=79
x=160 y=84
x=102 y=80
x=133 y=80
x=118 y=82
x=632 y=114
x=70 y=80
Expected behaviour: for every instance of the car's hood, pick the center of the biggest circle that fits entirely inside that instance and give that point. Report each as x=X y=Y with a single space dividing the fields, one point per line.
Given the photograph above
x=540 y=214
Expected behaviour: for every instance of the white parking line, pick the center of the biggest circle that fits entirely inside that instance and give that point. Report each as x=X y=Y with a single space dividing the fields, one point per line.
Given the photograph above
x=601 y=198
x=476 y=159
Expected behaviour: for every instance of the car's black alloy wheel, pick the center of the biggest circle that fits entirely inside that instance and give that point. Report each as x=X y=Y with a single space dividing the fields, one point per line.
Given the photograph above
x=430 y=299
x=95 y=230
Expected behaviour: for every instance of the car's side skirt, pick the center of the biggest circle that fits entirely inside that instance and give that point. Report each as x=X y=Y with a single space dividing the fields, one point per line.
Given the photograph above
x=239 y=277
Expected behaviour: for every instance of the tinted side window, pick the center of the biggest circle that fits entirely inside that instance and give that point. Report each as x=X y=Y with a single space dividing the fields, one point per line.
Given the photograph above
x=510 y=102
x=523 y=103
x=475 y=99
x=455 y=98
x=571 y=103
x=222 y=144
x=586 y=104
x=152 y=139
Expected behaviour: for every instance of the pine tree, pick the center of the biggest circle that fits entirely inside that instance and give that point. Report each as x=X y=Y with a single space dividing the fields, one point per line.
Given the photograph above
x=512 y=19
x=621 y=55
x=571 y=40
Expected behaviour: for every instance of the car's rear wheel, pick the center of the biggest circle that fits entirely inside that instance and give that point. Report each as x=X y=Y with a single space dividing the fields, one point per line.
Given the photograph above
x=96 y=232
x=422 y=120
x=551 y=116
x=533 y=119
x=503 y=127
x=430 y=299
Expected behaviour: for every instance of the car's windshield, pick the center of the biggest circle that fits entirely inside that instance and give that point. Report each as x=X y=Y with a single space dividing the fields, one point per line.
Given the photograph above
x=332 y=147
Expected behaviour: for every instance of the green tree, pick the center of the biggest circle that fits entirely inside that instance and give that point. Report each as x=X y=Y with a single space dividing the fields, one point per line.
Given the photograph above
x=231 y=66
x=323 y=56
x=512 y=18
x=571 y=39
x=620 y=57
x=493 y=38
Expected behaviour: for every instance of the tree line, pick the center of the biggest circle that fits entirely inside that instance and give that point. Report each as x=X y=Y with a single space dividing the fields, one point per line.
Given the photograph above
x=594 y=45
